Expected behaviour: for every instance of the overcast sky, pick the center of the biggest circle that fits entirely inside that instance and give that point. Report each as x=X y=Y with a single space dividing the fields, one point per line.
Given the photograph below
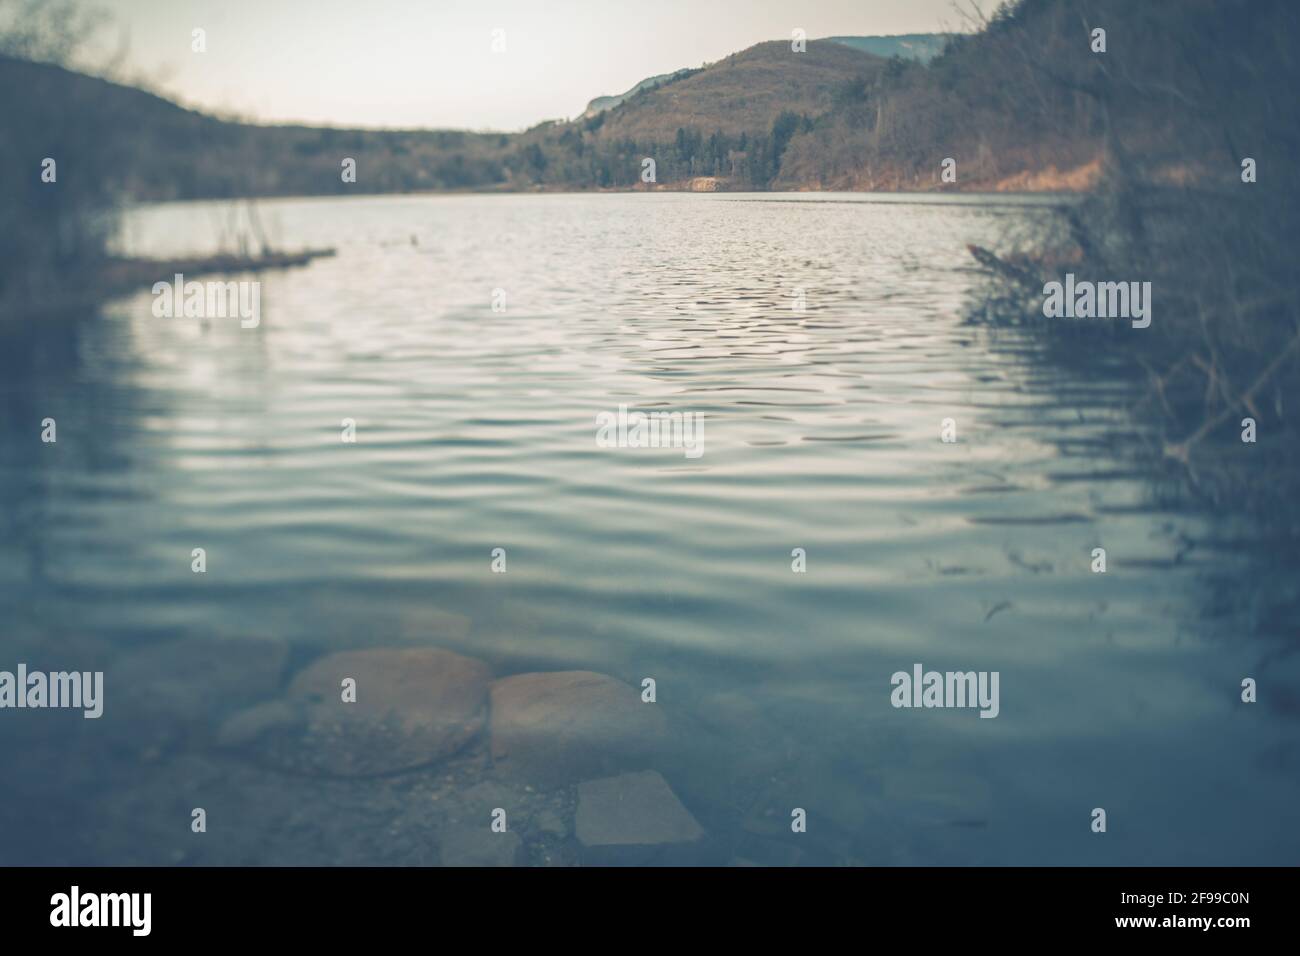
x=429 y=63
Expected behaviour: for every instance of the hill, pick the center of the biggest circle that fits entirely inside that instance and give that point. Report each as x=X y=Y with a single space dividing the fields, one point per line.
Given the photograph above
x=744 y=93
x=728 y=122
x=146 y=147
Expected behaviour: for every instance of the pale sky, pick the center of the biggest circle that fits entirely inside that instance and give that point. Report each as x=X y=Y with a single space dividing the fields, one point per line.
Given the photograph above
x=429 y=63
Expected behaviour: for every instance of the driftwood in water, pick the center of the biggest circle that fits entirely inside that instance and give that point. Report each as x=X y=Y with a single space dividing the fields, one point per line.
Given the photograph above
x=92 y=285
x=1002 y=267
x=121 y=274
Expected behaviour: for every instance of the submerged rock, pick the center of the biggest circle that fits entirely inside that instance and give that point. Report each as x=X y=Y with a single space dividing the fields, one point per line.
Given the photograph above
x=258 y=724
x=633 y=811
x=557 y=727
x=412 y=708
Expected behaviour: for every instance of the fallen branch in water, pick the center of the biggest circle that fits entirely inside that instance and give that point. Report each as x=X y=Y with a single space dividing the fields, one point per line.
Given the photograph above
x=118 y=274
x=1181 y=451
x=113 y=277
x=1000 y=266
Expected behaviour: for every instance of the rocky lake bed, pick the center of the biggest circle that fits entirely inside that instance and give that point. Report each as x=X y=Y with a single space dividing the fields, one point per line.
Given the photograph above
x=432 y=759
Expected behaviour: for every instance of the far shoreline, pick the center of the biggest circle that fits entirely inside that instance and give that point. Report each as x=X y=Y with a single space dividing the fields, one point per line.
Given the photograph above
x=973 y=193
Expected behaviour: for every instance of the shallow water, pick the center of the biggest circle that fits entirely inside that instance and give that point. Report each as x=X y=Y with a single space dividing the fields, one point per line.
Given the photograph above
x=476 y=430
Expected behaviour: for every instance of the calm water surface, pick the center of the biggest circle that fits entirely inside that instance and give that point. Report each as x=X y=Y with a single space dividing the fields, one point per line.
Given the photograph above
x=476 y=430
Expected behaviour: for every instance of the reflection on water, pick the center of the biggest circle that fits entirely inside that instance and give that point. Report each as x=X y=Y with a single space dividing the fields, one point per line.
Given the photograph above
x=475 y=430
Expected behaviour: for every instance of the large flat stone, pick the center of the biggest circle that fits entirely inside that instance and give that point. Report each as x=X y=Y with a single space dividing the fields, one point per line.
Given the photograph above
x=555 y=728
x=633 y=812
x=413 y=707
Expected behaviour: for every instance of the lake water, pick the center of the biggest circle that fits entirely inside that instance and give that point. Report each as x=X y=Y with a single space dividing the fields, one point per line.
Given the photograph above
x=476 y=430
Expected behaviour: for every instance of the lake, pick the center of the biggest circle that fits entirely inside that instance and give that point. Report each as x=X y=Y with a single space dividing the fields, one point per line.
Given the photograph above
x=825 y=538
